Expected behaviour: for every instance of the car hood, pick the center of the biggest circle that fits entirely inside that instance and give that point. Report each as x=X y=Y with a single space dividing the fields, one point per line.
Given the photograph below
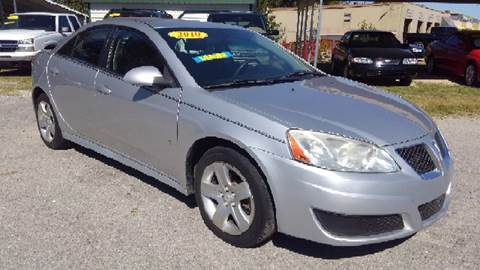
x=382 y=53
x=334 y=105
x=19 y=34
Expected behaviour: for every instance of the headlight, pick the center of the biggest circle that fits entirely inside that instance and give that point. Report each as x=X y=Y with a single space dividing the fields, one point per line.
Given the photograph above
x=338 y=153
x=26 y=41
x=410 y=61
x=362 y=60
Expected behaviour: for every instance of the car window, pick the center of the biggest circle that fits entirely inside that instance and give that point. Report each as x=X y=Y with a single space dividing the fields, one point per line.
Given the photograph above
x=67 y=48
x=374 y=39
x=454 y=40
x=63 y=24
x=218 y=56
x=90 y=44
x=74 y=22
x=476 y=41
x=132 y=49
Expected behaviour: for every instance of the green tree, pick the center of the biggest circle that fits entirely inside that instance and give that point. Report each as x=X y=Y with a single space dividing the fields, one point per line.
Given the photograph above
x=78 y=5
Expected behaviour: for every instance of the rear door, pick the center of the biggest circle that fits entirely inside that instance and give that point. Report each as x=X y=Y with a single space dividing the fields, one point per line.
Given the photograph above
x=456 y=54
x=71 y=72
x=139 y=122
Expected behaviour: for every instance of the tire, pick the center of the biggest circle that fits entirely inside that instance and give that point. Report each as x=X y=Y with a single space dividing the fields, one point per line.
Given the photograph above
x=346 y=71
x=405 y=82
x=431 y=65
x=471 y=75
x=245 y=219
x=333 y=68
x=47 y=124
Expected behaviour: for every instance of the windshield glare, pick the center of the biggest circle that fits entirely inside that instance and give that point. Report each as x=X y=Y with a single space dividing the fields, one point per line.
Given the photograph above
x=375 y=40
x=221 y=56
x=31 y=22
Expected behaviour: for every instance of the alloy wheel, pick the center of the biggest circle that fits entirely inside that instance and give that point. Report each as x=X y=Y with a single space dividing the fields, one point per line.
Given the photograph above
x=227 y=198
x=470 y=74
x=46 y=121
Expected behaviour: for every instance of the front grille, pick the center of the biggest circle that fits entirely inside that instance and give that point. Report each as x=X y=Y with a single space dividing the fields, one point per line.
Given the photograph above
x=418 y=158
x=352 y=226
x=8 y=45
x=388 y=62
x=429 y=209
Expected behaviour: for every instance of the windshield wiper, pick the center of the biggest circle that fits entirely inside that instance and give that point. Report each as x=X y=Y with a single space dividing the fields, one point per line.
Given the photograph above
x=239 y=83
x=299 y=74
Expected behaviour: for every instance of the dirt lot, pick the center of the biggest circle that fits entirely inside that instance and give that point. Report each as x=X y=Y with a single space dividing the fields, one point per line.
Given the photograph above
x=77 y=210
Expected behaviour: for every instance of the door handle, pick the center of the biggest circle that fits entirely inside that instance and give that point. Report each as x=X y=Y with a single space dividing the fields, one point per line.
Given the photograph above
x=54 y=71
x=104 y=90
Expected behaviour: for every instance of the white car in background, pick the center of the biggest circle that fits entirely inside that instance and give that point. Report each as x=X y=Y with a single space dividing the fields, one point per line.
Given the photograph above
x=24 y=35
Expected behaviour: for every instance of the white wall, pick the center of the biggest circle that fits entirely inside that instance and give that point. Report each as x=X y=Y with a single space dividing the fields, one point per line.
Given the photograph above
x=98 y=11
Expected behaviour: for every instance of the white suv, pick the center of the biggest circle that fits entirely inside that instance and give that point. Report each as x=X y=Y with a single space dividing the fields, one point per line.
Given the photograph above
x=23 y=35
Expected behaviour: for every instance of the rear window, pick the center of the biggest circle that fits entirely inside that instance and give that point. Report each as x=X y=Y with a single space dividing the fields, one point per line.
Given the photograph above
x=90 y=44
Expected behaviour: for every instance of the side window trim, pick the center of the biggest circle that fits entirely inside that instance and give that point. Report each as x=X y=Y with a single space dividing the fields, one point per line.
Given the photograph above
x=109 y=53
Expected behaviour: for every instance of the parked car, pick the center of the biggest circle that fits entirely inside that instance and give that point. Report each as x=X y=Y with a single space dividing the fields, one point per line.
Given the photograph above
x=24 y=35
x=152 y=13
x=265 y=141
x=249 y=20
x=374 y=54
x=459 y=55
x=424 y=39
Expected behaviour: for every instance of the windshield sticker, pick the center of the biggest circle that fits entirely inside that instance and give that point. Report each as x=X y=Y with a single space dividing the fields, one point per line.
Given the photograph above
x=7 y=23
x=114 y=15
x=12 y=17
x=188 y=35
x=213 y=56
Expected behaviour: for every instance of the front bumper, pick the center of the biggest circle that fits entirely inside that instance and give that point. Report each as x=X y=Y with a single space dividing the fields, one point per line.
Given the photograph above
x=394 y=71
x=16 y=59
x=300 y=191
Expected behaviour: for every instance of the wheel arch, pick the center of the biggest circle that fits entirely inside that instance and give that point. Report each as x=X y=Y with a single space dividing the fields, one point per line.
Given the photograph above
x=36 y=92
x=202 y=145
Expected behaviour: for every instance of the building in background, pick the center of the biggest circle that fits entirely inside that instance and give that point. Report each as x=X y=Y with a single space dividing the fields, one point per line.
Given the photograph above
x=463 y=22
x=99 y=8
x=397 y=18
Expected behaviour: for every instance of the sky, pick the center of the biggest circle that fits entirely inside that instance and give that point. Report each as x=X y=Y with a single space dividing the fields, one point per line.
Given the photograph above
x=467 y=9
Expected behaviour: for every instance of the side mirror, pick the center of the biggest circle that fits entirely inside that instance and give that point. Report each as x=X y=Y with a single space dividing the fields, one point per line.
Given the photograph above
x=273 y=32
x=50 y=47
x=65 y=30
x=146 y=76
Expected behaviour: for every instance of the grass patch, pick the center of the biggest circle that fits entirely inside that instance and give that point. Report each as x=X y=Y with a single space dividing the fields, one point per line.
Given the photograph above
x=11 y=84
x=442 y=99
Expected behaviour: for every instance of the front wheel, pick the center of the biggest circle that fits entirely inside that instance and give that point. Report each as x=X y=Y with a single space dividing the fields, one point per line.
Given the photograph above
x=431 y=65
x=233 y=198
x=471 y=75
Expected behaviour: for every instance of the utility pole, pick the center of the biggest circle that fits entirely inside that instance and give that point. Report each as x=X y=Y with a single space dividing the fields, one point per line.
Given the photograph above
x=319 y=29
x=15 y=6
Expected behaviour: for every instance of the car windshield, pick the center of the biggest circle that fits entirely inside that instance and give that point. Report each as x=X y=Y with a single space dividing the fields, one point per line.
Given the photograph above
x=374 y=40
x=223 y=56
x=31 y=22
x=250 y=21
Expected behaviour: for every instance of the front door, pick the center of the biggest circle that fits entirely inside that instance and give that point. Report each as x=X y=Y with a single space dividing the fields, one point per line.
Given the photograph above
x=138 y=122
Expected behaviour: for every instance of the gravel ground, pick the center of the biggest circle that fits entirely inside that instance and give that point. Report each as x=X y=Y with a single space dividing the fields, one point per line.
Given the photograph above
x=77 y=210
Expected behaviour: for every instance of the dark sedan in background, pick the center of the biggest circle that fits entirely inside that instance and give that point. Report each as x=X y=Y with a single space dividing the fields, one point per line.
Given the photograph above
x=459 y=55
x=374 y=54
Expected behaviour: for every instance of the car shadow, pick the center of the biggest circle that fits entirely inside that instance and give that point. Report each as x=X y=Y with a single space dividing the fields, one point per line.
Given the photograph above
x=15 y=72
x=189 y=201
x=327 y=252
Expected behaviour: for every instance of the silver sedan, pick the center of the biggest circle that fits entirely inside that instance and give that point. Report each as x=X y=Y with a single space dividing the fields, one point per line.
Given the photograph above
x=266 y=142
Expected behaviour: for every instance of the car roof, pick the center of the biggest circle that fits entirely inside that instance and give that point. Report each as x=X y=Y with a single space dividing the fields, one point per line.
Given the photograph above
x=167 y=23
x=44 y=13
x=235 y=13
x=369 y=31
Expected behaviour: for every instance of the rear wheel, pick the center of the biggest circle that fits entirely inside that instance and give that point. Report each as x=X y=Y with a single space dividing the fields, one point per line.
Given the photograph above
x=48 y=124
x=233 y=198
x=471 y=75
x=405 y=82
x=346 y=71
